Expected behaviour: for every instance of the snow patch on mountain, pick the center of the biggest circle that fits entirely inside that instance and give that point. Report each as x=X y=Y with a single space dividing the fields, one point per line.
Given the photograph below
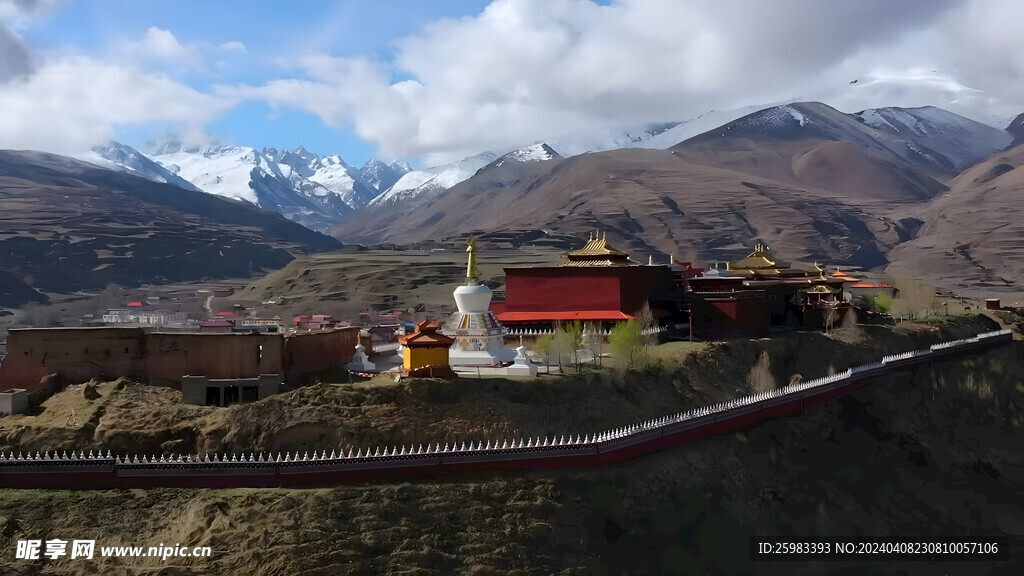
x=430 y=181
x=224 y=171
x=774 y=118
x=528 y=154
x=535 y=153
x=943 y=137
x=323 y=176
x=119 y=156
x=659 y=136
x=383 y=175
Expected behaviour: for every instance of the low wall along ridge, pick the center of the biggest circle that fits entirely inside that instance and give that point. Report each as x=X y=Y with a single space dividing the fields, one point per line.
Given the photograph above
x=79 y=470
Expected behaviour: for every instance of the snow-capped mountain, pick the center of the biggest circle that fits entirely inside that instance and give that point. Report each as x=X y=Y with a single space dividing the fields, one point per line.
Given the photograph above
x=659 y=136
x=944 y=137
x=932 y=139
x=270 y=179
x=382 y=175
x=120 y=156
x=535 y=153
x=321 y=176
x=429 y=181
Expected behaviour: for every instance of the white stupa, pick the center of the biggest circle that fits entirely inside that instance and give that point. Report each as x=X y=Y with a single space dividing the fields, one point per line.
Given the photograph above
x=479 y=336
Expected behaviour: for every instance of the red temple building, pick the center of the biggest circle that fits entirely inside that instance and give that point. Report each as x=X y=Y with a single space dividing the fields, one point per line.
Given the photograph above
x=756 y=292
x=595 y=284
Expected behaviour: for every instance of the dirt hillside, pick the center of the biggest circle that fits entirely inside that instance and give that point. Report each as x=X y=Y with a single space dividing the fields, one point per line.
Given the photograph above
x=934 y=452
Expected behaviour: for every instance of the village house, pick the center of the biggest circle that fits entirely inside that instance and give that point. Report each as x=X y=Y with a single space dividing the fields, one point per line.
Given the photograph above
x=215 y=326
x=313 y=322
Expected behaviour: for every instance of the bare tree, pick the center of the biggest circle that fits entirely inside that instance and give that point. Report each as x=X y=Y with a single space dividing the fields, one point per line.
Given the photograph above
x=760 y=377
x=915 y=300
x=647 y=323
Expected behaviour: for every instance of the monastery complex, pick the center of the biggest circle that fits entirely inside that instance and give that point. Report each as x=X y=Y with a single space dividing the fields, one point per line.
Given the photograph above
x=234 y=358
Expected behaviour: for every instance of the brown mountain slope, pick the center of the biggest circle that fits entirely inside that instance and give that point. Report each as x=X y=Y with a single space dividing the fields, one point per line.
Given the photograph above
x=67 y=225
x=811 y=144
x=1016 y=129
x=973 y=236
x=648 y=201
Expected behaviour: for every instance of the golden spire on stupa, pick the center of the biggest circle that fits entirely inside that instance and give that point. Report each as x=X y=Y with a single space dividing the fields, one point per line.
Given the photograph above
x=472 y=272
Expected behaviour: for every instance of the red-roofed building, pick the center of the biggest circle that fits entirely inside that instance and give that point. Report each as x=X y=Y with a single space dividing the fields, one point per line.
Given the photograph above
x=314 y=322
x=871 y=290
x=425 y=347
x=136 y=304
x=840 y=275
x=597 y=283
x=217 y=326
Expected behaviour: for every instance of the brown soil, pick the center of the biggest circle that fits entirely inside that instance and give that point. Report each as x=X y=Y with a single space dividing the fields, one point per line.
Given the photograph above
x=934 y=452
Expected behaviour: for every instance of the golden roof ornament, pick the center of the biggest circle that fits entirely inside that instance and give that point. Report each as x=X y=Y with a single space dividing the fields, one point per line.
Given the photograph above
x=472 y=272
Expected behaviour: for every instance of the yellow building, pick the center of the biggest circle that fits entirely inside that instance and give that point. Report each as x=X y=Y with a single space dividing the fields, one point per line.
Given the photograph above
x=425 y=347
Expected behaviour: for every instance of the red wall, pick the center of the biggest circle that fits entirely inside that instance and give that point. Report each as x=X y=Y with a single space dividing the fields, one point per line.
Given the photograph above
x=563 y=289
x=306 y=353
x=737 y=315
x=169 y=356
x=80 y=354
x=77 y=354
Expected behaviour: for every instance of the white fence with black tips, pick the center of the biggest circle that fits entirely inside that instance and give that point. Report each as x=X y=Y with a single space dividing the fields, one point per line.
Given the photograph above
x=563 y=442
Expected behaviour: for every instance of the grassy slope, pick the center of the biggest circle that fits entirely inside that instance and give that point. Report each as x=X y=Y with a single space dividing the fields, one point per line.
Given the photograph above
x=936 y=453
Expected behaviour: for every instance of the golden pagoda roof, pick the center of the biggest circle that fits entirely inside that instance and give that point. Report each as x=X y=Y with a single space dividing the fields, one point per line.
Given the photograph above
x=596 y=252
x=595 y=263
x=757 y=261
x=821 y=289
x=597 y=246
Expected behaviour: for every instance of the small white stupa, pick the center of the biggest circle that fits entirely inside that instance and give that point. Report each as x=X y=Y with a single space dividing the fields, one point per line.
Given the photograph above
x=479 y=336
x=360 y=362
x=522 y=365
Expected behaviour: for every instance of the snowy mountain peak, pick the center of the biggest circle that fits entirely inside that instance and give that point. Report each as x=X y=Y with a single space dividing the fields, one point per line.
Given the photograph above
x=382 y=175
x=948 y=139
x=120 y=156
x=535 y=153
x=430 y=181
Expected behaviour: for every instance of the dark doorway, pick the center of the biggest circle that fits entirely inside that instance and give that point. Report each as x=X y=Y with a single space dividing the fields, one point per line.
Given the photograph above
x=213 y=396
x=250 y=393
x=230 y=395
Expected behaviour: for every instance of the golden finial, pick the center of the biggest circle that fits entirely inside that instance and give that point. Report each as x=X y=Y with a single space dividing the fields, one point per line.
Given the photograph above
x=471 y=270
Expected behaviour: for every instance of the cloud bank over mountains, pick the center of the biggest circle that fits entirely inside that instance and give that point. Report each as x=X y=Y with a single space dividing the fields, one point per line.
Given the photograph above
x=524 y=71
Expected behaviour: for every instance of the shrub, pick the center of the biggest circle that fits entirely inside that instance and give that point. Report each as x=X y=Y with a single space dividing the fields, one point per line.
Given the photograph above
x=627 y=343
x=760 y=377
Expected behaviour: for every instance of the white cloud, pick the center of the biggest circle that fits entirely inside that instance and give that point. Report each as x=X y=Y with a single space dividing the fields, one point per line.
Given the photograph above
x=233 y=46
x=529 y=70
x=162 y=44
x=524 y=70
x=71 y=104
x=19 y=13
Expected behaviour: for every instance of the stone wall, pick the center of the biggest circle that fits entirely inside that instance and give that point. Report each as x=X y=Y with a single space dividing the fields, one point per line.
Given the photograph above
x=13 y=401
x=76 y=354
x=170 y=356
x=194 y=388
x=306 y=354
x=81 y=354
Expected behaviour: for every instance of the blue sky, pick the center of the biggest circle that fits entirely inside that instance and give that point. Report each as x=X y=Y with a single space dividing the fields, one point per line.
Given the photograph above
x=437 y=81
x=269 y=31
